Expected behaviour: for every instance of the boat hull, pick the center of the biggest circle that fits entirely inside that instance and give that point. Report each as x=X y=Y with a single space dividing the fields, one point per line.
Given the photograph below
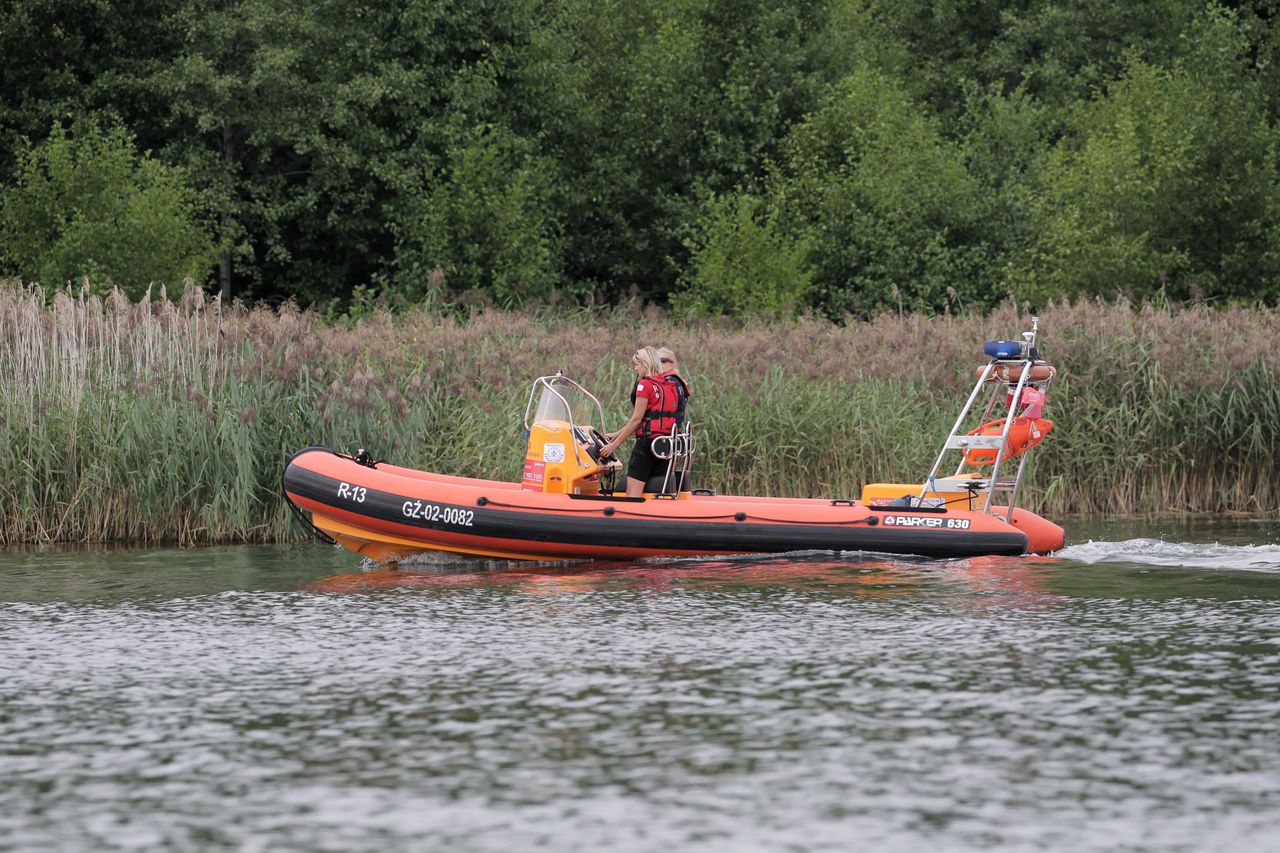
x=388 y=513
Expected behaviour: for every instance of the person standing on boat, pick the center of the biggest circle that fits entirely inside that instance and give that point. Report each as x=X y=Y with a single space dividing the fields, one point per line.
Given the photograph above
x=653 y=415
x=671 y=370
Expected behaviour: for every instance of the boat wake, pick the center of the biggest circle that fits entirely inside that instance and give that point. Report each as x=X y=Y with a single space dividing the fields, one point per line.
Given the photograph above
x=1157 y=552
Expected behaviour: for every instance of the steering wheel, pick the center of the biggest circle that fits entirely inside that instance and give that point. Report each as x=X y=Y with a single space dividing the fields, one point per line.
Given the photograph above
x=594 y=441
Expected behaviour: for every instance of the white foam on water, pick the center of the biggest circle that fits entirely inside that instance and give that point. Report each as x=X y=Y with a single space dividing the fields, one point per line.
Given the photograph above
x=1195 y=555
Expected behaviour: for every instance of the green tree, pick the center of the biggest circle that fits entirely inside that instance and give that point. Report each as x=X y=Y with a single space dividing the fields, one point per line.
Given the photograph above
x=1059 y=50
x=242 y=109
x=75 y=60
x=744 y=264
x=1005 y=137
x=892 y=213
x=323 y=128
x=1167 y=185
x=641 y=105
x=484 y=221
x=89 y=205
x=1063 y=51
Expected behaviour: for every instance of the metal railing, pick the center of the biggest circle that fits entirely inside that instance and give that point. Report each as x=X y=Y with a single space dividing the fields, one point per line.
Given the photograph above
x=956 y=440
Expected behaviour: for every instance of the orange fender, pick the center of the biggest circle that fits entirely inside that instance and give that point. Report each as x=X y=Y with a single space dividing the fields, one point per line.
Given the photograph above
x=1025 y=434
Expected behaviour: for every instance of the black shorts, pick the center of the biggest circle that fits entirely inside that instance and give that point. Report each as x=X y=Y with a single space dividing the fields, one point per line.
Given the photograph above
x=643 y=464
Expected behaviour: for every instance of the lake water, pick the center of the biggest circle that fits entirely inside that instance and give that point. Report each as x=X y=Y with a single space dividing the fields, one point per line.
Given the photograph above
x=1123 y=694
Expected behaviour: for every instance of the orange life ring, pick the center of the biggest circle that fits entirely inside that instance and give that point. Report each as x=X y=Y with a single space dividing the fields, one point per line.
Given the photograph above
x=1013 y=372
x=1025 y=434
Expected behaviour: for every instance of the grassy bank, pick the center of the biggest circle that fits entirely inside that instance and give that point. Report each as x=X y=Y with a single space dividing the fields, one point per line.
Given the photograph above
x=171 y=420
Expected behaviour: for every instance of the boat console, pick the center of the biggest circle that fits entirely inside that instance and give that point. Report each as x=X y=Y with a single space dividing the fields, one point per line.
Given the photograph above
x=564 y=443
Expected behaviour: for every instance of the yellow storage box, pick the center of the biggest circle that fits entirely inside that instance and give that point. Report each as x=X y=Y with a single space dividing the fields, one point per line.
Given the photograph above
x=947 y=494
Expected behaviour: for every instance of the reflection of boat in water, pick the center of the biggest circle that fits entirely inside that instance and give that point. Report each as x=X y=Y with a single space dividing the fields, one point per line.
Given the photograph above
x=867 y=576
x=565 y=507
x=880 y=576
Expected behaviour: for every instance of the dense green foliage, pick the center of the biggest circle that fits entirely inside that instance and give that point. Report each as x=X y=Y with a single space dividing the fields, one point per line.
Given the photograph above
x=723 y=155
x=1171 y=185
x=744 y=265
x=157 y=420
x=90 y=208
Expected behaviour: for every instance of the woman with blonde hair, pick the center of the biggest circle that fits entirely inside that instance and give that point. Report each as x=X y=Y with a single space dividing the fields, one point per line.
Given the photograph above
x=653 y=414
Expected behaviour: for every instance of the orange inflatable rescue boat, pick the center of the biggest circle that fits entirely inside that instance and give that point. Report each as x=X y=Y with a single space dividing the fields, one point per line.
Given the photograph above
x=566 y=506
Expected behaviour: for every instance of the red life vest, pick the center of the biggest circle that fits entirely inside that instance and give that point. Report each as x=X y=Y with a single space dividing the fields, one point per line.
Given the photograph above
x=660 y=414
x=682 y=395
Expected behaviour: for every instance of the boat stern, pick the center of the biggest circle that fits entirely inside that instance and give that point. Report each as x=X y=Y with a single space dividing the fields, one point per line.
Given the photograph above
x=1043 y=536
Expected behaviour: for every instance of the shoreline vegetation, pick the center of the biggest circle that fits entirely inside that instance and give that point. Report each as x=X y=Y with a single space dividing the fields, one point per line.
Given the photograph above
x=170 y=420
x=843 y=157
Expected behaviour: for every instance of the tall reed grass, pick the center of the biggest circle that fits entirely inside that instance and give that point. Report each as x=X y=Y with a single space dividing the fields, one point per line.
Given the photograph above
x=171 y=420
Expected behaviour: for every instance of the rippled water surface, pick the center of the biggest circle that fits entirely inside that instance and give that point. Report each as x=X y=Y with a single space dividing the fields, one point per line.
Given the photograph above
x=1123 y=694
